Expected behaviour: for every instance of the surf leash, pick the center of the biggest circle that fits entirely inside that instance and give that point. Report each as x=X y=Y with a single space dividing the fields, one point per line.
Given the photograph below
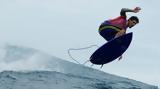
x=71 y=49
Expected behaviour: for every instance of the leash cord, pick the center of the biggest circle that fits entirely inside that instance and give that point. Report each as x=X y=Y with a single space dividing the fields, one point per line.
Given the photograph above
x=70 y=49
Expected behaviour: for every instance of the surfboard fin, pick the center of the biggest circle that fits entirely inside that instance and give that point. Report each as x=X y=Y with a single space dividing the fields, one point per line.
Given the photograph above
x=101 y=66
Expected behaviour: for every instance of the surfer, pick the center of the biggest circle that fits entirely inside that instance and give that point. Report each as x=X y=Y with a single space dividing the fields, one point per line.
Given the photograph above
x=116 y=27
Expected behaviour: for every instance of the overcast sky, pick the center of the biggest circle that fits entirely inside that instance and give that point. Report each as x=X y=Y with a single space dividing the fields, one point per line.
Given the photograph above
x=54 y=26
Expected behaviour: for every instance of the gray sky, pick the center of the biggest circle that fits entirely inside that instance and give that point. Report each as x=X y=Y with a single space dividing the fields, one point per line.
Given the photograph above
x=54 y=26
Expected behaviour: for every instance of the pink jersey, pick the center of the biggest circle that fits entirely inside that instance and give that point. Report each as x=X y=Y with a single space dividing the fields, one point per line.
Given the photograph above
x=119 y=22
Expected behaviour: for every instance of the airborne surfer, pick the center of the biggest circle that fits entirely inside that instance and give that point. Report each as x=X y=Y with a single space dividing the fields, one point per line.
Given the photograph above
x=116 y=27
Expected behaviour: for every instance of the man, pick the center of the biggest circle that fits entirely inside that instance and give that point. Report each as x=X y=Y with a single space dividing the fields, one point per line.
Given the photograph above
x=113 y=28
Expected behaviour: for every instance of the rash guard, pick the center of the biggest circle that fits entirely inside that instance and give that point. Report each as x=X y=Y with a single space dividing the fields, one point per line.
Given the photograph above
x=119 y=22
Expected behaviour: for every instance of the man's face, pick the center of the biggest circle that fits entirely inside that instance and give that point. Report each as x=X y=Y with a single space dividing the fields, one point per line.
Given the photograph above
x=131 y=23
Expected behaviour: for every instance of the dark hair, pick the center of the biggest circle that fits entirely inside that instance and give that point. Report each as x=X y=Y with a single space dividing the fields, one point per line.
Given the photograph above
x=134 y=18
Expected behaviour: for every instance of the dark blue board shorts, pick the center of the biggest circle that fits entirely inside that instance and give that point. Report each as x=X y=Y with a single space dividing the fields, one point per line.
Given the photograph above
x=108 y=31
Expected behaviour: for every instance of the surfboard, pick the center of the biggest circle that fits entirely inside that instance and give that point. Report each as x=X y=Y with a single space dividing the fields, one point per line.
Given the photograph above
x=111 y=50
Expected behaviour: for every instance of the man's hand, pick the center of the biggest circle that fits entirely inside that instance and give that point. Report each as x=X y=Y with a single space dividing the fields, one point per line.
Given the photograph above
x=120 y=33
x=137 y=9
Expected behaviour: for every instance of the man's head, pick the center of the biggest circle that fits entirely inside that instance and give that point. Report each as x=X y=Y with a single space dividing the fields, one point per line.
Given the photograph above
x=132 y=21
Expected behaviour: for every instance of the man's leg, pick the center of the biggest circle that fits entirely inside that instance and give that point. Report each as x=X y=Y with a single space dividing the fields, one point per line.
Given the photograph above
x=108 y=34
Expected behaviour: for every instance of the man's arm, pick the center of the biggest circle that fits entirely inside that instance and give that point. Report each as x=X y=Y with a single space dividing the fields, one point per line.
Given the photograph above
x=120 y=33
x=124 y=10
